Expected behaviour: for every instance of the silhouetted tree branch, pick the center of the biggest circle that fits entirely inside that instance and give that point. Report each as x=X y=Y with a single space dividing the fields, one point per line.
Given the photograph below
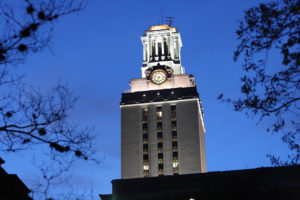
x=272 y=29
x=31 y=31
x=29 y=118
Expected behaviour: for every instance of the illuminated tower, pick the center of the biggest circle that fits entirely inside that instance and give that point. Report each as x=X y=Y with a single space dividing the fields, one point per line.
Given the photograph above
x=162 y=129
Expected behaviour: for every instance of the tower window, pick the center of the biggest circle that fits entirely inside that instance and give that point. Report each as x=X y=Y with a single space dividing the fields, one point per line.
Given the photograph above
x=175 y=154
x=159 y=134
x=174 y=133
x=145 y=115
x=160 y=166
x=160 y=155
x=159 y=114
x=145 y=156
x=175 y=163
x=146 y=167
x=145 y=126
x=146 y=173
x=160 y=145
x=174 y=144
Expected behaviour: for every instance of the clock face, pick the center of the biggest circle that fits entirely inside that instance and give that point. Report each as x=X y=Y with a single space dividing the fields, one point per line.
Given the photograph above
x=158 y=76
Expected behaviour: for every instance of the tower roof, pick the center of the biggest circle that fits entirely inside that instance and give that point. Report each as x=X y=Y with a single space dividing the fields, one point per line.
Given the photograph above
x=162 y=27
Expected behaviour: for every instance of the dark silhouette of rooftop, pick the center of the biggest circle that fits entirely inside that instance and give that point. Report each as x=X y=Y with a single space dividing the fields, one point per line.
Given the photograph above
x=276 y=183
x=11 y=186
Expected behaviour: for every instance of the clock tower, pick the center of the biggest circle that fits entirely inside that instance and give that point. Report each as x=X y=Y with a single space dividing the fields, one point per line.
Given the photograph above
x=162 y=129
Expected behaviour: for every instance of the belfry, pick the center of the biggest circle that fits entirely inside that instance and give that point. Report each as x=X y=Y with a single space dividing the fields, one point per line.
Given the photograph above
x=162 y=129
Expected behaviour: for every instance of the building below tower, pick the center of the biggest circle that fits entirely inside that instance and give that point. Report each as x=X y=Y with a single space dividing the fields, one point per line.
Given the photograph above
x=276 y=183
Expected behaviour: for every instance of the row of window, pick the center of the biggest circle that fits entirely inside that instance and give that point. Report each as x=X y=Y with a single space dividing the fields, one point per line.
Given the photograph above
x=159 y=116
x=145 y=143
x=174 y=140
x=160 y=155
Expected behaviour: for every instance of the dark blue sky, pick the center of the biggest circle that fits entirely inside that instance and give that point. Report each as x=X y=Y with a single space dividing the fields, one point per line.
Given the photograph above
x=99 y=50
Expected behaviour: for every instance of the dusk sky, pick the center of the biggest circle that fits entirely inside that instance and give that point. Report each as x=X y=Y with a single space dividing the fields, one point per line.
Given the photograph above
x=97 y=51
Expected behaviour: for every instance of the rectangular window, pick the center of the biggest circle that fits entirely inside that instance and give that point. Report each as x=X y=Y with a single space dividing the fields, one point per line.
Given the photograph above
x=175 y=163
x=146 y=173
x=145 y=115
x=174 y=144
x=159 y=134
x=160 y=145
x=145 y=126
x=173 y=113
x=160 y=155
x=159 y=114
x=175 y=155
x=146 y=167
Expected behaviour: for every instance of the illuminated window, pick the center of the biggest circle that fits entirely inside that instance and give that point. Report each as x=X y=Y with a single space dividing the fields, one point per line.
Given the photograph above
x=146 y=167
x=145 y=115
x=159 y=114
x=175 y=163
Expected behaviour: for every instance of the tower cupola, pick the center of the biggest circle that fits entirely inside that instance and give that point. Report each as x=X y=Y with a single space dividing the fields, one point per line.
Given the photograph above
x=162 y=45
